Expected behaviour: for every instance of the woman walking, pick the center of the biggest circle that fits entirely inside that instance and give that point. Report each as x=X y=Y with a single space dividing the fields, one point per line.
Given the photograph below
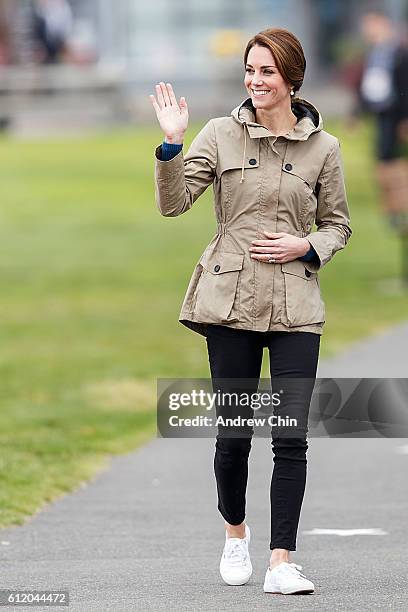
x=275 y=172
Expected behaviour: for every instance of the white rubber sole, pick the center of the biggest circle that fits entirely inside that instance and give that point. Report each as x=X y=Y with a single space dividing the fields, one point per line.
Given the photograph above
x=291 y=592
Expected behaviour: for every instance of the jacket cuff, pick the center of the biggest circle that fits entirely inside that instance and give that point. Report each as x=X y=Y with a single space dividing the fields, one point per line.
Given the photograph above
x=309 y=256
x=314 y=264
x=173 y=168
x=160 y=152
x=169 y=150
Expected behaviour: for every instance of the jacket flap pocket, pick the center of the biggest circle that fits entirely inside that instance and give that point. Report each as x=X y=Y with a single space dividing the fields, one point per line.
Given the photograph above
x=218 y=262
x=297 y=268
x=301 y=173
x=250 y=164
x=231 y=157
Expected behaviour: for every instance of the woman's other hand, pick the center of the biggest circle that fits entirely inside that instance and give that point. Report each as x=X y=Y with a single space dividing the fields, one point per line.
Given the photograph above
x=172 y=116
x=280 y=246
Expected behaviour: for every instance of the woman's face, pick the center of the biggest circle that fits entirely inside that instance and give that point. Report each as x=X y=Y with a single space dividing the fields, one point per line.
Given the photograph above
x=262 y=75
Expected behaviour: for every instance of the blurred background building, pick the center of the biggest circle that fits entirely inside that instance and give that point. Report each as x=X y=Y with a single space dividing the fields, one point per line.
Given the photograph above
x=122 y=48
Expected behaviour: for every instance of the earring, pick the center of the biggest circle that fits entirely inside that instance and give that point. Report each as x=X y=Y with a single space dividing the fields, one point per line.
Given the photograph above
x=292 y=93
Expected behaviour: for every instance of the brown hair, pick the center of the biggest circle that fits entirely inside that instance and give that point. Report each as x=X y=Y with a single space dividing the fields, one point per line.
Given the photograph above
x=287 y=52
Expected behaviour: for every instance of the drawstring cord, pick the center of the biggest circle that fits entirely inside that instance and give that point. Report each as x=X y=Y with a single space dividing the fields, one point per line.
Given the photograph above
x=243 y=157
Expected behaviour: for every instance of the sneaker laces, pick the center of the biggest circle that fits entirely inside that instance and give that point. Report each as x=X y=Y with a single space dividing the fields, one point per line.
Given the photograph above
x=235 y=551
x=294 y=569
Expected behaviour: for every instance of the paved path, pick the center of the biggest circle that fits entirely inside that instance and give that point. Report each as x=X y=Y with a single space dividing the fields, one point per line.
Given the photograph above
x=383 y=356
x=125 y=541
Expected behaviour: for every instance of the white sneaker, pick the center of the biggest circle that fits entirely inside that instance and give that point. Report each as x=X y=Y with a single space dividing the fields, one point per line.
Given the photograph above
x=285 y=578
x=235 y=564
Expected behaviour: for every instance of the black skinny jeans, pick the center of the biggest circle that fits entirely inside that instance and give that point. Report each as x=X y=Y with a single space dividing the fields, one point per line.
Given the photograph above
x=235 y=353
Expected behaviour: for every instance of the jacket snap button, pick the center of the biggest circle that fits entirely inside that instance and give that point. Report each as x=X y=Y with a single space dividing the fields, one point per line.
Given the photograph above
x=217 y=268
x=252 y=161
x=308 y=273
x=288 y=166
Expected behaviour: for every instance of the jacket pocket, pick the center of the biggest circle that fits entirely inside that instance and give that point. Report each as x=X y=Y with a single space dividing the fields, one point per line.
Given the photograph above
x=304 y=304
x=296 y=181
x=217 y=296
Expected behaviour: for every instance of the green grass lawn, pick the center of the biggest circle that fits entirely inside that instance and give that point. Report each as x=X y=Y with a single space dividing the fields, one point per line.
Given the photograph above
x=92 y=280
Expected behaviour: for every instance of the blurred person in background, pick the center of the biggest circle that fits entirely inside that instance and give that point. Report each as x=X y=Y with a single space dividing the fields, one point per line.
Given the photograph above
x=5 y=38
x=382 y=91
x=5 y=57
x=275 y=172
x=51 y=29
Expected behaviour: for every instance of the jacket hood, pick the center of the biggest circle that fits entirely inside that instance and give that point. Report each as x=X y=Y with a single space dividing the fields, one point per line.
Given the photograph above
x=309 y=122
x=309 y=119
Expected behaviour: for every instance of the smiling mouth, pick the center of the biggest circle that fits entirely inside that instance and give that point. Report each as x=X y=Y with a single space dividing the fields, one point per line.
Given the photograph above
x=260 y=92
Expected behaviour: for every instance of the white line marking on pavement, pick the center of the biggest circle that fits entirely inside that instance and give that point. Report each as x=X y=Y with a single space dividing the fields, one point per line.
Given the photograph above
x=346 y=532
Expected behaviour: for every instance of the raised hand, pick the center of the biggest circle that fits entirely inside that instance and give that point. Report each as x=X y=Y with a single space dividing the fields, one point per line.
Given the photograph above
x=172 y=116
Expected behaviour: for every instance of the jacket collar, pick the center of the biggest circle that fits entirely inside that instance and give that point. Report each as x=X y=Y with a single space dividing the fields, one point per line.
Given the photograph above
x=309 y=120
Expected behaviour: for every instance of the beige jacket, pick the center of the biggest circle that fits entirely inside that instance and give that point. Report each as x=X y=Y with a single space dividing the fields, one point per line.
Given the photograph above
x=260 y=182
